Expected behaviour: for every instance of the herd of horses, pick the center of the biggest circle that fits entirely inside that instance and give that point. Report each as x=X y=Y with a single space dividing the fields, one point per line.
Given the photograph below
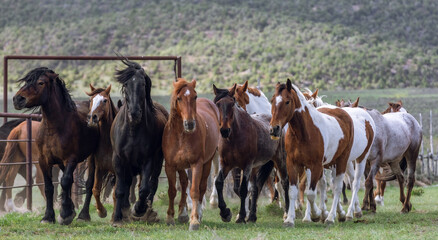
x=304 y=139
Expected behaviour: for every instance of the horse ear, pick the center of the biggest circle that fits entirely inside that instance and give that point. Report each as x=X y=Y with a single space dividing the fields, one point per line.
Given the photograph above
x=342 y=102
x=355 y=103
x=400 y=102
x=289 y=85
x=232 y=90
x=214 y=89
x=193 y=83
x=119 y=104
x=92 y=88
x=315 y=94
x=245 y=86
x=108 y=90
x=338 y=103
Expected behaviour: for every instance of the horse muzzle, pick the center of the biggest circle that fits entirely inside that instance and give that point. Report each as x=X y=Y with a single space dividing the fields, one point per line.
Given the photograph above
x=275 y=131
x=93 y=120
x=19 y=102
x=189 y=125
x=225 y=132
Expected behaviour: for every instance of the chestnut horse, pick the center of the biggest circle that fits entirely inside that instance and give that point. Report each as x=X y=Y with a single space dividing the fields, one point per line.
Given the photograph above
x=316 y=138
x=101 y=116
x=15 y=152
x=136 y=136
x=398 y=137
x=245 y=144
x=190 y=140
x=63 y=138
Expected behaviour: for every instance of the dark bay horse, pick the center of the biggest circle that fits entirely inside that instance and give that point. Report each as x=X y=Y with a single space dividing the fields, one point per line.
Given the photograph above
x=190 y=140
x=245 y=144
x=315 y=138
x=136 y=136
x=64 y=137
x=101 y=116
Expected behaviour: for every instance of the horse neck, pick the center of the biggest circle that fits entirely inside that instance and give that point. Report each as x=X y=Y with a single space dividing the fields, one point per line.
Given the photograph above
x=302 y=121
x=242 y=121
x=258 y=104
x=54 y=114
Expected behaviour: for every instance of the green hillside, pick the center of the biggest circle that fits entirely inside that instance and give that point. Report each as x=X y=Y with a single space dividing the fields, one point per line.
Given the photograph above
x=337 y=44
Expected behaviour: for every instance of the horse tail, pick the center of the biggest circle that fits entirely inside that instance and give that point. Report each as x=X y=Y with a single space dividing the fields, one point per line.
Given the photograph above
x=12 y=154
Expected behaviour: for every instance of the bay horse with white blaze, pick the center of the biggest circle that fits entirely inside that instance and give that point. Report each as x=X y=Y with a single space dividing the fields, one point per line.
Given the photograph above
x=316 y=138
x=63 y=139
x=136 y=136
x=190 y=140
x=245 y=144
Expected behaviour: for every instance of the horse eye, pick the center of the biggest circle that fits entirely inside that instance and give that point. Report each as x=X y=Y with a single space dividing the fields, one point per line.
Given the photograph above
x=196 y=97
x=105 y=100
x=287 y=102
x=178 y=98
x=41 y=83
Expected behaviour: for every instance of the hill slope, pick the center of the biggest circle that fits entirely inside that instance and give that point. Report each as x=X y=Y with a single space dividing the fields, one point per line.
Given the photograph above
x=330 y=45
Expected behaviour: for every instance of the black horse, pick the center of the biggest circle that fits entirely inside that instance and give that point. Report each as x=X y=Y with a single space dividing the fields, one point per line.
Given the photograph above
x=136 y=136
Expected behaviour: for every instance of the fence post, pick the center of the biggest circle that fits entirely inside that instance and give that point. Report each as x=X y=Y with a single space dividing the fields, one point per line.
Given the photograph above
x=29 y=164
x=422 y=147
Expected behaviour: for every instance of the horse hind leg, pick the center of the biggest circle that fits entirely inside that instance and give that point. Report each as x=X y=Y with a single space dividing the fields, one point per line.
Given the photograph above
x=84 y=215
x=354 y=204
x=411 y=160
x=20 y=197
x=171 y=192
x=203 y=187
x=262 y=177
x=97 y=189
x=336 y=207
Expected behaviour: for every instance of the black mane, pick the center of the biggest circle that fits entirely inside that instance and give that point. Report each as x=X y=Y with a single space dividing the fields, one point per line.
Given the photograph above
x=126 y=74
x=31 y=78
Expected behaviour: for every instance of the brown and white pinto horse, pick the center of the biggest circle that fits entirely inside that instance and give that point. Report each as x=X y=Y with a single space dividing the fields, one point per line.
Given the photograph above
x=63 y=138
x=190 y=140
x=245 y=144
x=316 y=138
x=101 y=116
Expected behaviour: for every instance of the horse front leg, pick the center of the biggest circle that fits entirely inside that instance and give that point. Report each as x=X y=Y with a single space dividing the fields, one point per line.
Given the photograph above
x=183 y=216
x=338 y=179
x=243 y=192
x=203 y=186
x=141 y=205
x=85 y=212
x=293 y=173
x=123 y=179
x=213 y=196
x=97 y=189
x=262 y=176
x=171 y=192
x=195 y=194
x=313 y=213
x=225 y=212
x=67 y=212
x=49 y=216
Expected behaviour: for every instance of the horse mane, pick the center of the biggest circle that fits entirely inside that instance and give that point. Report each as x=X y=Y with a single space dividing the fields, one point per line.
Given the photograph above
x=316 y=101
x=32 y=77
x=282 y=86
x=133 y=68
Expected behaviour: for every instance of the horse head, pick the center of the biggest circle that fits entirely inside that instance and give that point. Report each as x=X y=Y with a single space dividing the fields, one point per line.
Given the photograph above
x=241 y=96
x=40 y=85
x=395 y=107
x=225 y=101
x=184 y=102
x=285 y=103
x=136 y=90
x=100 y=105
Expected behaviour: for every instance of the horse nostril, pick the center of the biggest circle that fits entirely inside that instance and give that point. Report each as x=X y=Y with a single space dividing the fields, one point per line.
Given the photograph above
x=94 y=118
x=225 y=132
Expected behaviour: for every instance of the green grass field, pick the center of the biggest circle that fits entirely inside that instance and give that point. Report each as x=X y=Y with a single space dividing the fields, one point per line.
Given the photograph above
x=387 y=223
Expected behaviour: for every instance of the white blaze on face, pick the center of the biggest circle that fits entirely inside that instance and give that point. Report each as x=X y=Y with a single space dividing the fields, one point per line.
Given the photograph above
x=187 y=93
x=278 y=100
x=96 y=102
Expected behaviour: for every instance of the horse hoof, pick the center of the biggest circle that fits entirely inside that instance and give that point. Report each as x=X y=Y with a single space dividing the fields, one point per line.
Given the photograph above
x=329 y=222
x=358 y=214
x=19 y=201
x=102 y=214
x=345 y=202
x=44 y=221
x=151 y=216
x=194 y=227
x=170 y=221
x=349 y=218
x=84 y=217
x=341 y=218
x=288 y=225
x=315 y=219
x=67 y=220
x=306 y=220
x=240 y=220
x=126 y=213
x=252 y=218
x=117 y=224
x=298 y=213
x=226 y=216
x=183 y=219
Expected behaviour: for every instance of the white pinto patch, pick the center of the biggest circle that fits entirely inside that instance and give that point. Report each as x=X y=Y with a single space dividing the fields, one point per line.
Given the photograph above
x=187 y=93
x=258 y=104
x=96 y=102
